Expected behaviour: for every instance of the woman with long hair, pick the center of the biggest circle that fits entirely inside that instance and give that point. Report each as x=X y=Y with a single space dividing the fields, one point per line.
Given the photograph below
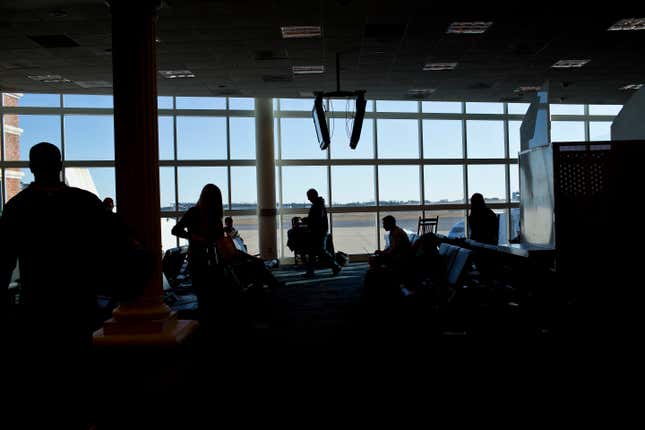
x=202 y=226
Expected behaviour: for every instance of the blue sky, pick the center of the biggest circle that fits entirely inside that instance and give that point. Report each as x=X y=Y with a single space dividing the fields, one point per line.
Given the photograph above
x=91 y=137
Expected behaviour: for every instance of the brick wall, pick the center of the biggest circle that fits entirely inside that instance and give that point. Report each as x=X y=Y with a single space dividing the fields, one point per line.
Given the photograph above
x=12 y=146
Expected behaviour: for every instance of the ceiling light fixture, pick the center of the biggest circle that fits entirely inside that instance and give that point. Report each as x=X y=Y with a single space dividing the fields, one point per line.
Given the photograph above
x=631 y=87
x=308 y=70
x=176 y=74
x=629 y=24
x=94 y=84
x=477 y=27
x=49 y=79
x=431 y=67
x=300 y=32
x=570 y=64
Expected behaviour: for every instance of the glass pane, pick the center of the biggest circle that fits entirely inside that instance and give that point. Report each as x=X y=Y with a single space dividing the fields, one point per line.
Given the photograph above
x=442 y=138
x=478 y=107
x=441 y=107
x=242 y=135
x=35 y=100
x=244 y=193
x=201 y=102
x=167 y=188
x=518 y=108
x=299 y=140
x=297 y=104
x=241 y=103
x=567 y=131
x=398 y=185
x=22 y=132
x=605 y=109
x=192 y=180
x=443 y=184
x=89 y=137
x=515 y=182
x=352 y=185
x=16 y=180
x=485 y=139
x=514 y=139
x=87 y=101
x=599 y=130
x=296 y=180
x=348 y=105
x=167 y=239
x=558 y=109
x=488 y=180
x=164 y=102
x=166 y=138
x=408 y=221
x=398 y=138
x=354 y=233
x=96 y=180
x=451 y=222
x=200 y=138
x=340 y=140
x=396 y=106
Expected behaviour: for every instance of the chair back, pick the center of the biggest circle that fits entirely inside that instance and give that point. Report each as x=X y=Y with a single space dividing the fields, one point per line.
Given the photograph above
x=427 y=225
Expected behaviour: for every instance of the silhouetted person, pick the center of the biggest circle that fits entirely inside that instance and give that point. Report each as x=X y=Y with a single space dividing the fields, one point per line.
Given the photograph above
x=202 y=226
x=398 y=250
x=229 y=229
x=482 y=221
x=295 y=235
x=59 y=237
x=318 y=225
x=108 y=204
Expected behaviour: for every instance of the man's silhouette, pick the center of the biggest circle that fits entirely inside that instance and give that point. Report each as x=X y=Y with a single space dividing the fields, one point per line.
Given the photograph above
x=58 y=236
x=318 y=225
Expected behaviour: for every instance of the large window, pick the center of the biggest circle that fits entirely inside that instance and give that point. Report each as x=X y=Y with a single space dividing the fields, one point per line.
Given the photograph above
x=413 y=159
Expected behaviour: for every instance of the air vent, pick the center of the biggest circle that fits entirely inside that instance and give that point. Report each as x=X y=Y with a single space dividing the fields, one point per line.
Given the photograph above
x=54 y=41
x=94 y=84
x=277 y=78
x=268 y=55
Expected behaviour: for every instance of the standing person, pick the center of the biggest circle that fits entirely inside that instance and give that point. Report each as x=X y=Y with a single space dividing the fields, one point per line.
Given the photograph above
x=61 y=237
x=202 y=226
x=482 y=221
x=318 y=225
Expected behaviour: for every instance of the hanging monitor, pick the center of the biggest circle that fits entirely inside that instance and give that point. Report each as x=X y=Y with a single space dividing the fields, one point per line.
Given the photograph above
x=361 y=103
x=322 y=131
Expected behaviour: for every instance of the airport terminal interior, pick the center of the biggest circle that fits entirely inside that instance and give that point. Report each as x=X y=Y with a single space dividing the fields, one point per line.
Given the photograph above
x=386 y=109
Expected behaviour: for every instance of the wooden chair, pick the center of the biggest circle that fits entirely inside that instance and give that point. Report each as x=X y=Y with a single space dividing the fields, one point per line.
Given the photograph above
x=427 y=225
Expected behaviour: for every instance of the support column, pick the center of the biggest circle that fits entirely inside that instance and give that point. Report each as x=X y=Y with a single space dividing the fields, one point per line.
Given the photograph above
x=134 y=67
x=265 y=159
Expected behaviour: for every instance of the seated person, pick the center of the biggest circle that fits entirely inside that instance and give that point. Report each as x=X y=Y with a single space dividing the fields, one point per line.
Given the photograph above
x=232 y=232
x=482 y=221
x=296 y=239
x=398 y=251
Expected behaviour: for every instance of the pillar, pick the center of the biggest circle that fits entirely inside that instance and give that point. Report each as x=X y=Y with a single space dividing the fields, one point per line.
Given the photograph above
x=265 y=159
x=148 y=319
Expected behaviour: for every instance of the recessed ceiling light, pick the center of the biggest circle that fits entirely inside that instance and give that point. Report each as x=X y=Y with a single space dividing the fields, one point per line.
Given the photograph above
x=629 y=24
x=431 y=67
x=632 y=87
x=527 y=89
x=49 y=79
x=300 y=31
x=476 y=27
x=176 y=74
x=569 y=64
x=94 y=84
x=308 y=70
